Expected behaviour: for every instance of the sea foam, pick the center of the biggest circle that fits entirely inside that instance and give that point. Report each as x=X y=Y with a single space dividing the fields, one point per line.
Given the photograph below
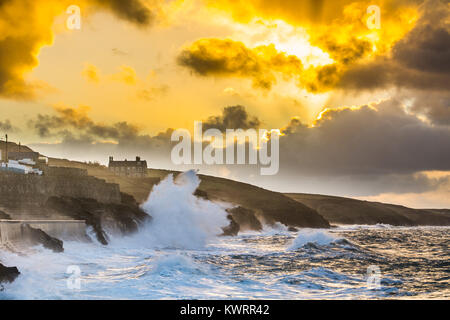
x=319 y=237
x=180 y=219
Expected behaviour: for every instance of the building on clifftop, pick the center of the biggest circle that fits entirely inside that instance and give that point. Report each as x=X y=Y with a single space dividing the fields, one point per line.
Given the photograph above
x=127 y=168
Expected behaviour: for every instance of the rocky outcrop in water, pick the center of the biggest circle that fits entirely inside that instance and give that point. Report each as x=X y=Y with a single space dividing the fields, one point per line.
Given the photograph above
x=8 y=274
x=245 y=218
x=123 y=218
x=36 y=236
x=232 y=229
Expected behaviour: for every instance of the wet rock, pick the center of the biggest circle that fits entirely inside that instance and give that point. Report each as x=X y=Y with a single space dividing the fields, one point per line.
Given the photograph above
x=8 y=274
x=246 y=218
x=128 y=199
x=37 y=236
x=201 y=194
x=232 y=229
x=123 y=218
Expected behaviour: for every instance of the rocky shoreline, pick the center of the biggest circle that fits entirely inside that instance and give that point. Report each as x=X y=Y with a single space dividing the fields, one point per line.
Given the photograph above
x=8 y=274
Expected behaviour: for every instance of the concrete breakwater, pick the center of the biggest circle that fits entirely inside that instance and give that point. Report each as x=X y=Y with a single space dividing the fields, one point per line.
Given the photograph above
x=11 y=231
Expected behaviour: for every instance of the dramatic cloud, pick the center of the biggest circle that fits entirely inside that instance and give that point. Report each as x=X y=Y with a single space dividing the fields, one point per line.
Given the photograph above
x=310 y=12
x=377 y=139
x=132 y=10
x=235 y=117
x=421 y=60
x=79 y=137
x=339 y=28
x=69 y=122
x=262 y=64
x=228 y=58
x=366 y=150
x=344 y=37
x=427 y=47
x=26 y=26
x=434 y=105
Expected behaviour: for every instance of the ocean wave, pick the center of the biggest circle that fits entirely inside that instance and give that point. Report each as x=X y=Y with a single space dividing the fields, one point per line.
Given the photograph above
x=313 y=236
x=180 y=220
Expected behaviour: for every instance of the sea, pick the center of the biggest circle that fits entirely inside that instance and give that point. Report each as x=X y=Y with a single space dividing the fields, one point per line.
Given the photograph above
x=180 y=254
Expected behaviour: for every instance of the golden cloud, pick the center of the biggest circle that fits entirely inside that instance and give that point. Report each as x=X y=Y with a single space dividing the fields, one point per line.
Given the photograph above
x=339 y=28
x=228 y=58
x=26 y=26
x=262 y=64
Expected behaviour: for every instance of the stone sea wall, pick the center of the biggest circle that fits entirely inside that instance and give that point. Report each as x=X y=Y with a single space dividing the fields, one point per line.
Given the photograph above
x=20 y=190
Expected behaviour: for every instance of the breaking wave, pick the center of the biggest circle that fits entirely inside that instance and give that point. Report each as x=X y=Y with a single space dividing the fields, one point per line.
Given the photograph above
x=180 y=219
x=313 y=236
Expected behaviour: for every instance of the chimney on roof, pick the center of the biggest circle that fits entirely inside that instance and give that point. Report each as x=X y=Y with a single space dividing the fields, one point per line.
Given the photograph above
x=111 y=158
x=138 y=158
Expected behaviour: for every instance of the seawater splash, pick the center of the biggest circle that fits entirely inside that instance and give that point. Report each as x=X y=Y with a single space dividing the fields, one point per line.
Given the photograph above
x=180 y=219
x=318 y=237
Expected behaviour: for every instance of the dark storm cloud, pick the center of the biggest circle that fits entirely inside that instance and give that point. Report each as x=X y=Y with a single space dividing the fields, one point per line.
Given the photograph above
x=75 y=125
x=381 y=139
x=234 y=117
x=82 y=138
x=131 y=10
x=421 y=60
x=427 y=47
x=434 y=105
x=70 y=122
x=228 y=58
x=360 y=151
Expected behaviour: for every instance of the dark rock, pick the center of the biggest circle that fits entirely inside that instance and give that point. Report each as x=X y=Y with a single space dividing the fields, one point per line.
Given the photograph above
x=123 y=218
x=201 y=194
x=8 y=274
x=246 y=218
x=232 y=229
x=4 y=215
x=292 y=229
x=270 y=207
x=128 y=199
x=37 y=236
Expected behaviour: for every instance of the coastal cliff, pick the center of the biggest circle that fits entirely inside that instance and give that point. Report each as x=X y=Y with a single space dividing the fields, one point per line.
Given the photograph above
x=340 y=210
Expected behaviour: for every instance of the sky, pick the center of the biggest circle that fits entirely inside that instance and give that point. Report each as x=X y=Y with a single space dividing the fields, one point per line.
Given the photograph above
x=362 y=104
